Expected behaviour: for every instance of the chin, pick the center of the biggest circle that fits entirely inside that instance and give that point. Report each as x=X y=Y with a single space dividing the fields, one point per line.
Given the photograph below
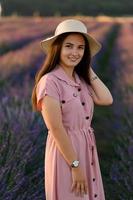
x=73 y=64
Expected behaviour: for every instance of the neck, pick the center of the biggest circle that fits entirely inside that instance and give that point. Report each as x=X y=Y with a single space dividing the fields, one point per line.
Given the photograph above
x=69 y=72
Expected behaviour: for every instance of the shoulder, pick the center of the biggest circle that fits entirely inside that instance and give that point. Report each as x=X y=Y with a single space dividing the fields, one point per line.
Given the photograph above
x=48 y=78
x=47 y=86
x=47 y=81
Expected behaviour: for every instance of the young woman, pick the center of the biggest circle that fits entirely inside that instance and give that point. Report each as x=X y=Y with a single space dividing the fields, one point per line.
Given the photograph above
x=66 y=88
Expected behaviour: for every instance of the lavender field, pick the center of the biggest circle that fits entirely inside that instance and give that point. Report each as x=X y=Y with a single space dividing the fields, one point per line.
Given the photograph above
x=23 y=132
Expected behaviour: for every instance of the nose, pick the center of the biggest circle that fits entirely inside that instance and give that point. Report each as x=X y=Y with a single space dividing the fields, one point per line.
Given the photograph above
x=75 y=52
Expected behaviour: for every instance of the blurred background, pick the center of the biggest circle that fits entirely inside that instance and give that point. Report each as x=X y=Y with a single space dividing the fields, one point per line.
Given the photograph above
x=70 y=7
x=23 y=24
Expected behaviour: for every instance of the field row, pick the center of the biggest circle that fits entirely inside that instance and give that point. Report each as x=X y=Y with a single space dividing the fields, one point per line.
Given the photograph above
x=122 y=63
x=14 y=37
x=31 y=55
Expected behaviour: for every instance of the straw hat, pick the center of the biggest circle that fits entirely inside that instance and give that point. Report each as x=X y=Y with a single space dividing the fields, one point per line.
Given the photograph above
x=68 y=26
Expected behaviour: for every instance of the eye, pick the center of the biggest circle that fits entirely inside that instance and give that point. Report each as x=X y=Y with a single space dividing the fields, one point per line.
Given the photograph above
x=81 y=47
x=68 y=46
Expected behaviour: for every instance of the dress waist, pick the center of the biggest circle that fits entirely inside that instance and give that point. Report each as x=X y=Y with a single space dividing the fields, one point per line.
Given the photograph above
x=84 y=129
x=88 y=132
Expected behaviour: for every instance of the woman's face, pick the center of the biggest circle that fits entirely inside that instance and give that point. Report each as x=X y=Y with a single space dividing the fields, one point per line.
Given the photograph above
x=72 y=50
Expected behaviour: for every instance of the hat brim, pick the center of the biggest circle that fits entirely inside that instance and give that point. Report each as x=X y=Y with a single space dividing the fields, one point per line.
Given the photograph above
x=95 y=46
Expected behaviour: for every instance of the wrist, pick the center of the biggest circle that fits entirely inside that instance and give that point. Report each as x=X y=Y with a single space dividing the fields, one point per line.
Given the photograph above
x=74 y=164
x=92 y=75
x=93 y=78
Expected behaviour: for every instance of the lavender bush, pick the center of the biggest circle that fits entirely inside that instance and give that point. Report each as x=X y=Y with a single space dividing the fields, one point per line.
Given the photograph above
x=22 y=142
x=121 y=172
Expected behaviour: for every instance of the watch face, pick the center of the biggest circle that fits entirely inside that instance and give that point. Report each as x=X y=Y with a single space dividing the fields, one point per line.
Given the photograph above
x=76 y=163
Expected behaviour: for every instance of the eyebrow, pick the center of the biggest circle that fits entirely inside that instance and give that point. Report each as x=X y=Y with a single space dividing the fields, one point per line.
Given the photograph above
x=72 y=44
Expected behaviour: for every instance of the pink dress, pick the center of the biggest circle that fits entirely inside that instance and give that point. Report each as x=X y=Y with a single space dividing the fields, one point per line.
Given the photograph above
x=77 y=111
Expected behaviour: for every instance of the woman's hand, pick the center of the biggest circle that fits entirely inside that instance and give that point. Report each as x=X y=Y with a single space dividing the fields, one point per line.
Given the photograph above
x=79 y=182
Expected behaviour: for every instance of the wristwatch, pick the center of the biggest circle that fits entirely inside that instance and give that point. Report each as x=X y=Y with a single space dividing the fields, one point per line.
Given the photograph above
x=75 y=163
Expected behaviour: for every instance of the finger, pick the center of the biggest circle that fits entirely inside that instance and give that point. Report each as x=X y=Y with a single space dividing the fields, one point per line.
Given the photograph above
x=73 y=186
x=82 y=192
x=78 y=189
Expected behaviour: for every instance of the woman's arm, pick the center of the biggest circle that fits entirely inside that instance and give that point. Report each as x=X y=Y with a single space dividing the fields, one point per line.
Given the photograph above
x=51 y=113
x=100 y=93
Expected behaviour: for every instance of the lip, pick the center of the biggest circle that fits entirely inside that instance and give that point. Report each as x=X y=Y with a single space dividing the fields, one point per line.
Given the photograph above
x=73 y=60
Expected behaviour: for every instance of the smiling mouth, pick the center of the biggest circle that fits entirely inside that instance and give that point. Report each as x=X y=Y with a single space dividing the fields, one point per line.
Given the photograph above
x=73 y=60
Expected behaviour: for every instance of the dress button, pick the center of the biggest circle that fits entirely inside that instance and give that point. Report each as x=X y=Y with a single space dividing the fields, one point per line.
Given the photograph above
x=79 y=89
x=83 y=103
x=75 y=95
x=92 y=163
x=95 y=195
x=94 y=179
x=63 y=101
x=87 y=117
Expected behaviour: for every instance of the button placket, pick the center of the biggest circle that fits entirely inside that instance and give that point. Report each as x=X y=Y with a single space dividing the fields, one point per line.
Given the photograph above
x=92 y=161
x=82 y=102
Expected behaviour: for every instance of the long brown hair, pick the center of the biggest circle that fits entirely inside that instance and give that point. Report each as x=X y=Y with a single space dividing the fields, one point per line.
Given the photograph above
x=52 y=60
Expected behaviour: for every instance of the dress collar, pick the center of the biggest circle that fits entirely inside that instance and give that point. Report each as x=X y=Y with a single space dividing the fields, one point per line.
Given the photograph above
x=61 y=74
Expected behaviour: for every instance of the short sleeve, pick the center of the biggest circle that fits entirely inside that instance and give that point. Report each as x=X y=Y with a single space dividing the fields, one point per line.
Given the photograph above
x=46 y=86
